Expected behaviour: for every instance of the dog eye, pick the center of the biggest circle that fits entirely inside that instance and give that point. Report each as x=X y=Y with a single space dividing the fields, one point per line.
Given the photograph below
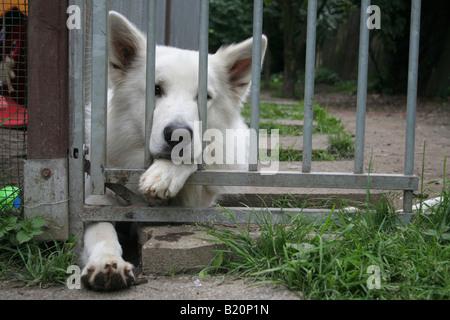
x=158 y=91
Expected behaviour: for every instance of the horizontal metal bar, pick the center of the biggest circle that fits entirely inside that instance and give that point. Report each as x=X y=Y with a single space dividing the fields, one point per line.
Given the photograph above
x=283 y=179
x=195 y=215
x=209 y=215
x=309 y=180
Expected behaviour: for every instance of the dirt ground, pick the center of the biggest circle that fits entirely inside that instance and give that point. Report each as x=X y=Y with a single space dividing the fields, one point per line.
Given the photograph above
x=385 y=141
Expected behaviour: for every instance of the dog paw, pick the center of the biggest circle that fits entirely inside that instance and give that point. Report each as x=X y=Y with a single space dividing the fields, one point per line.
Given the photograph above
x=108 y=274
x=163 y=180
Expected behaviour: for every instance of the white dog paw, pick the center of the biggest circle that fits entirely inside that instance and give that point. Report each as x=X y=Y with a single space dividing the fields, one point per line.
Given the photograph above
x=163 y=180
x=109 y=273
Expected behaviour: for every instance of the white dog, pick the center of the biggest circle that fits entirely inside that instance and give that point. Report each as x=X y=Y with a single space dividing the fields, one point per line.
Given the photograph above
x=176 y=111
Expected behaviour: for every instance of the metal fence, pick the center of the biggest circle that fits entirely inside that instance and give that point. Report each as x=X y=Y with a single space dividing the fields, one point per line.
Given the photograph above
x=13 y=101
x=102 y=176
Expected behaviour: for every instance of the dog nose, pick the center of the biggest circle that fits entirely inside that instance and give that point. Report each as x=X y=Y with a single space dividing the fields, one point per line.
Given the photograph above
x=170 y=129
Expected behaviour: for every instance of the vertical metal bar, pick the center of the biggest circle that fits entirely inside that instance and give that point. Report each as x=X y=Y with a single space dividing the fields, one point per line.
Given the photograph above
x=310 y=69
x=413 y=70
x=362 y=87
x=203 y=71
x=76 y=128
x=150 y=81
x=256 y=83
x=99 y=96
x=168 y=25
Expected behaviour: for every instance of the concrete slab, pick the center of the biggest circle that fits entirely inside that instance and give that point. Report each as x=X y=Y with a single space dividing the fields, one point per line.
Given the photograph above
x=169 y=249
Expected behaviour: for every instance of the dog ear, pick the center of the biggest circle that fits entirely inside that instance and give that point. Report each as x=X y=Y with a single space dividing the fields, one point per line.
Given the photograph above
x=125 y=43
x=238 y=61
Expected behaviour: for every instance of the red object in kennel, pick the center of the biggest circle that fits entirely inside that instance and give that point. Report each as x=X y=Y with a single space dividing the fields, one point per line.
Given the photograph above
x=12 y=115
x=13 y=45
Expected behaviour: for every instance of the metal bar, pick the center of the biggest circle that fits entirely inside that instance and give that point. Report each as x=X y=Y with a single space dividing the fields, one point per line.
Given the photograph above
x=196 y=215
x=209 y=215
x=203 y=71
x=76 y=129
x=282 y=179
x=309 y=85
x=300 y=180
x=99 y=96
x=150 y=78
x=413 y=70
x=256 y=84
x=362 y=87
x=168 y=24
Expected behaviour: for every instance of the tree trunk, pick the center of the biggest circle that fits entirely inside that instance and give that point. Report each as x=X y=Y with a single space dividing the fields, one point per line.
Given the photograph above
x=290 y=62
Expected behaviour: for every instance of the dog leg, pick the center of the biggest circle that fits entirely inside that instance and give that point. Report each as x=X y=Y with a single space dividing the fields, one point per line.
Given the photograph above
x=105 y=269
x=165 y=179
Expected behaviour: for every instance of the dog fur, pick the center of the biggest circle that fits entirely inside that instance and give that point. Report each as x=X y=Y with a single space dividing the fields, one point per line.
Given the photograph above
x=176 y=106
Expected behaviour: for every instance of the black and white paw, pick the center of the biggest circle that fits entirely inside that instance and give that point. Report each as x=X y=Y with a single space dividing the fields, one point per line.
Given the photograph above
x=108 y=275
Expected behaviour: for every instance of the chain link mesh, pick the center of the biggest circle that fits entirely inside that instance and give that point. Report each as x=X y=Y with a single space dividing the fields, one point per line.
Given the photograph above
x=13 y=99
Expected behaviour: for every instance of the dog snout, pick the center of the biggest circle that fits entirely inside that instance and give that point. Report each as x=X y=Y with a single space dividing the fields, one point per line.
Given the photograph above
x=181 y=131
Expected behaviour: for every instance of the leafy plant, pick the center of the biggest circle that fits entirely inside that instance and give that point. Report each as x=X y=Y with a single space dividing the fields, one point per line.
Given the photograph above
x=15 y=231
x=24 y=259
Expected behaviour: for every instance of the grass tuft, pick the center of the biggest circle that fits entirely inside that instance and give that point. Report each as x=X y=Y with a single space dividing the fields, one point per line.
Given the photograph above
x=335 y=258
x=27 y=261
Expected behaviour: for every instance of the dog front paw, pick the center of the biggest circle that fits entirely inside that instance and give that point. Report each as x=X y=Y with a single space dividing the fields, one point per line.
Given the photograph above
x=163 y=180
x=108 y=273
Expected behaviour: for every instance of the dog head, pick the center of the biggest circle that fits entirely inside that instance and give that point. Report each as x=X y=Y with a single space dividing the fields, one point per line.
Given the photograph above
x=176 y=114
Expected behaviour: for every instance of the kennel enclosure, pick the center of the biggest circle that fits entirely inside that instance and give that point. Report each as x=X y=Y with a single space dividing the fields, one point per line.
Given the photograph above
x=85 y=59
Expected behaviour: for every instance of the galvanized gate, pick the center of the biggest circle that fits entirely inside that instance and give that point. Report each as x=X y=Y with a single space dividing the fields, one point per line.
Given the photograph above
x=103 y=177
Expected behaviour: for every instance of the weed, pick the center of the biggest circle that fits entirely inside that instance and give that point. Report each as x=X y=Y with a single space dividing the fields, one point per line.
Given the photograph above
x=289 y=154
x=283 y=130
x=341 y=145
x=32 y=262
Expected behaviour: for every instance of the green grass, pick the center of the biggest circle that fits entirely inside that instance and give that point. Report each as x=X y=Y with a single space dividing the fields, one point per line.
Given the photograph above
x=274 y=111
x=283 y=130
x=27 y=261
x=289 y=154
x=331 y=259
x=341 y=144
x=326 y=124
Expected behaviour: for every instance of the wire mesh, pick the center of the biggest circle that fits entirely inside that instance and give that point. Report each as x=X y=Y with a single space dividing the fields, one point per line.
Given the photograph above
x=13 y=100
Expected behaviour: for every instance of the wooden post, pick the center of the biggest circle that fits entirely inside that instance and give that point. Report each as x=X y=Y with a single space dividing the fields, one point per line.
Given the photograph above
x=47 y=79
x=46 y=169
